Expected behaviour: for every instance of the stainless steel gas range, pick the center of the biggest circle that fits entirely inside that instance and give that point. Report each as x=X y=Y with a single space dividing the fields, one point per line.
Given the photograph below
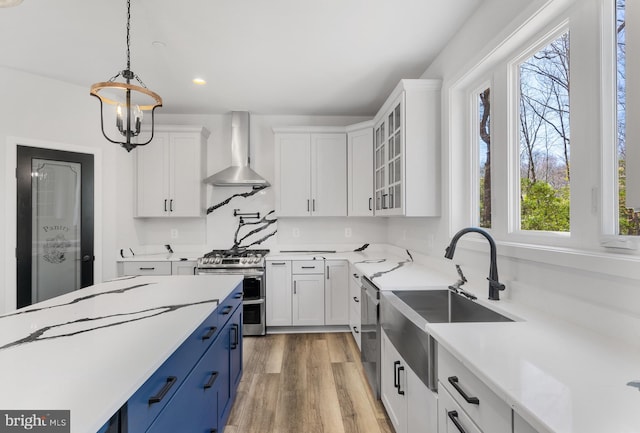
x=251 y=264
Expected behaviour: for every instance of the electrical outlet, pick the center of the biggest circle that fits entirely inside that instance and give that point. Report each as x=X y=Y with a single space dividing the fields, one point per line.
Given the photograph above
x=295 y=232
x=347 y=232
x=174 y=233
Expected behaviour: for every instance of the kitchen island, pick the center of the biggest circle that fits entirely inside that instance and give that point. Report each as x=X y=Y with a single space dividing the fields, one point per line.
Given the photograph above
x=89 y=351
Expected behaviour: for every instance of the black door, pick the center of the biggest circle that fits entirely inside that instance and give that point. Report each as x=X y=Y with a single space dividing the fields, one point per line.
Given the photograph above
x=55 y=223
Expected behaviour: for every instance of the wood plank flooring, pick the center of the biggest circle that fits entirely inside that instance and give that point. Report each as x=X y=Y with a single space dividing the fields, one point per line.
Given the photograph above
x=305 y=383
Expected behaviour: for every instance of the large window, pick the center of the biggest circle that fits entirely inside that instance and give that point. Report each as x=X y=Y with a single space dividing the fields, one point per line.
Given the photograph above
x=544 y=136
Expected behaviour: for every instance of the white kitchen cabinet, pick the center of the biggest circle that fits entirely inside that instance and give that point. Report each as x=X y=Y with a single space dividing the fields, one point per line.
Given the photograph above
x=161 y=267
x=308 y=299
x=184 y=267
x=336 y=292
x=169 y=173
x=407 y=151
x=278 y=293
x=476 y=401
x=360 y=169
x=355 y=318
x=411 y=406
x=311 y=173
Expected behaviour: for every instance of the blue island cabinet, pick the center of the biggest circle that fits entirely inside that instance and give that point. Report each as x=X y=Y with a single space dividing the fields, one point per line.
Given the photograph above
x=192 y=391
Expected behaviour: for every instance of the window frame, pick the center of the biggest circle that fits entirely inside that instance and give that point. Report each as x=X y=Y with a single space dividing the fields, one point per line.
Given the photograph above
x=474 y=139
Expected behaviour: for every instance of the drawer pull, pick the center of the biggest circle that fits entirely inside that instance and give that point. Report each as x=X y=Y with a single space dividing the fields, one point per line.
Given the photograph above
x=453 y=416
x=171 y=380
x=356 y=276
x=355 y=329
x=400 y=391
x=226 y=310
x=213 y=430
x=355 y=298
x=237 y=296
x=235 y=340
x=278 y=263
x=212 y=380
x=212 y=330
x=395 y=374
x=147 y=269
x=308 y=267
x=453 y=380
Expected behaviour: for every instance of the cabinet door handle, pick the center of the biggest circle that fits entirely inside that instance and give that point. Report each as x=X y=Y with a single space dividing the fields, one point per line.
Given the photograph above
x=328 y=273
x=308 y=207
x=147 y=269
x=384 y=201
x=395 y=374
x=453 y=380
x=356 y=276
x=370 y=202
x=314 y=205
x=212 y=380
x=171 y=380
x=165 y=204
x=278 y=263
x=226 y=310
x=294 y=287
x=355 y=329
x=453 y=416
x=400 y=391
x=171 y=205
x=235 y=340
x=355 y=298
x=209 y=334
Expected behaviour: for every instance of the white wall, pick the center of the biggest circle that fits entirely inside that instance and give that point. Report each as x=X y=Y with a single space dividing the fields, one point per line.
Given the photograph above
x=38 y=111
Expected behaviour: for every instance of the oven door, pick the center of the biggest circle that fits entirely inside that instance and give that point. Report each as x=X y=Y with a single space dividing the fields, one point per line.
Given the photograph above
x=254 y=317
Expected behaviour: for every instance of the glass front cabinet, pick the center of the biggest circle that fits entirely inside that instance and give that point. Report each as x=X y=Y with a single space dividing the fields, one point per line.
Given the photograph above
x=407 y=151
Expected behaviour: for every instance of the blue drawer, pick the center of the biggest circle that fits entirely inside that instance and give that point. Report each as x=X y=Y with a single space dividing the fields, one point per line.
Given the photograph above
x=153 y=395
x=228 y=305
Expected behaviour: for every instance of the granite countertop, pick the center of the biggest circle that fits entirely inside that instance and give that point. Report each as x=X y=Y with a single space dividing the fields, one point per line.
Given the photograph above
x=89 y=350
x=559 y=377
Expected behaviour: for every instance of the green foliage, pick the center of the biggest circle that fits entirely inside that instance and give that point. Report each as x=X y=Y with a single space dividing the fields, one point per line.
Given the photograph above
x=543 y=207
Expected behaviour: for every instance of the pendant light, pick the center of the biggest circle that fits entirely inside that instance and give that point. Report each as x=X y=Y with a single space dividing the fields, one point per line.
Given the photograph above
x=127 y=102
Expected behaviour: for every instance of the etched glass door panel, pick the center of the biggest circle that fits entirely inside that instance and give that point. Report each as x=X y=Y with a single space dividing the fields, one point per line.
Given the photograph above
x=54 y=242
x=56 y=228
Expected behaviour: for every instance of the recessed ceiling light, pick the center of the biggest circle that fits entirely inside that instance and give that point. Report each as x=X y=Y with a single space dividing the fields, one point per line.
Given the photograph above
x=9 y=3
x=199 y=81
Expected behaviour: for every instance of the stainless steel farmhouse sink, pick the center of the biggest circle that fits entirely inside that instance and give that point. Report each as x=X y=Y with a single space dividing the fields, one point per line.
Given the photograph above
x=416 y=346
x=443 y=306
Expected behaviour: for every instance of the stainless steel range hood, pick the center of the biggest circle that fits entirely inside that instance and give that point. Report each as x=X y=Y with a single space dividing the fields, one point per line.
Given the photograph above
x=239 y=173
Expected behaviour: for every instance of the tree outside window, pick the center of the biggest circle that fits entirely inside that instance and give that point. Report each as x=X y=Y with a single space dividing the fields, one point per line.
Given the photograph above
x=545 y=138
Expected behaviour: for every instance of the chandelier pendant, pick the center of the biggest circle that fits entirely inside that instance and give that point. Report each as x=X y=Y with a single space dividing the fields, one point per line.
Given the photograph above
x=126 y=103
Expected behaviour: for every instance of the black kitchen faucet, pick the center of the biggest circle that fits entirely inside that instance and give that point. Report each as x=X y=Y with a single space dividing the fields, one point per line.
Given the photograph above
x=494 y=285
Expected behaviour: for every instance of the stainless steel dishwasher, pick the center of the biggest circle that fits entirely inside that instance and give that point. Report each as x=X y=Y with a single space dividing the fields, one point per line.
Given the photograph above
x=370 y=333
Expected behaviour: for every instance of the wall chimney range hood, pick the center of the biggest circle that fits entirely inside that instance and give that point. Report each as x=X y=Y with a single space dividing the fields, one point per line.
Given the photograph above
x=239 y=173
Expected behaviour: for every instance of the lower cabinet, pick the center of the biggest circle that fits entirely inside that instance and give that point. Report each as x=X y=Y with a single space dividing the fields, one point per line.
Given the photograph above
x=411 y=406
x=336 y=292
x=193 y=390
x=308 y=299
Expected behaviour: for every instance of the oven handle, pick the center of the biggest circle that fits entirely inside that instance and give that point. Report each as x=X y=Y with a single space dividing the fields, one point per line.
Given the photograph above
x=253 y=302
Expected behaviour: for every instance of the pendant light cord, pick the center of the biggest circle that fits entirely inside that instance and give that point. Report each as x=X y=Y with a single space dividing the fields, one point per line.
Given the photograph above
x=128 y=38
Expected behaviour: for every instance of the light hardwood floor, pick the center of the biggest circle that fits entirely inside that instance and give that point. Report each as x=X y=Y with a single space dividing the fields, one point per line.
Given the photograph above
x=305 y=383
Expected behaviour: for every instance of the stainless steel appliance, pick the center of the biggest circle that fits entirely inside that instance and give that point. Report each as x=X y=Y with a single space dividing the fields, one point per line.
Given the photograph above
x=250 y=264
x=370 y=333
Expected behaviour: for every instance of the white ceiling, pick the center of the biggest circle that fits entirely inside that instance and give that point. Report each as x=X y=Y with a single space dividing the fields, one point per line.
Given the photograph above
x=323 y=57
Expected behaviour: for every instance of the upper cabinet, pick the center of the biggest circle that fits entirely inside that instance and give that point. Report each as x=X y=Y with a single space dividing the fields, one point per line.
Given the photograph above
x=407 y=151
x=169 y=173
x=360 y=169
x=311 y=172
